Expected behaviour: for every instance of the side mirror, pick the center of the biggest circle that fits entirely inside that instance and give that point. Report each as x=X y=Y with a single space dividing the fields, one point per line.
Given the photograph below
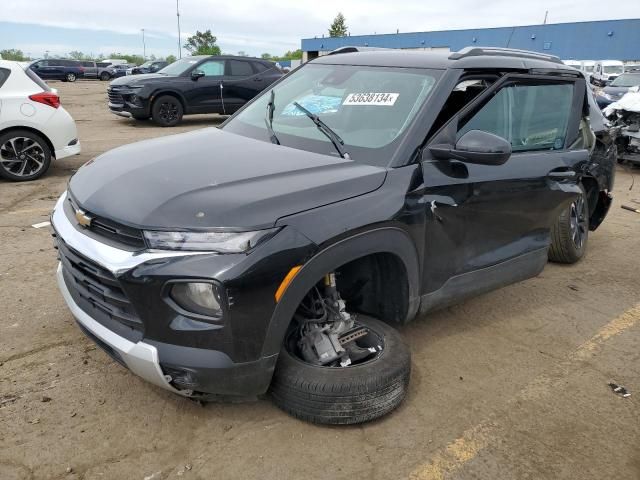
x=475 y=146
x=196 y=74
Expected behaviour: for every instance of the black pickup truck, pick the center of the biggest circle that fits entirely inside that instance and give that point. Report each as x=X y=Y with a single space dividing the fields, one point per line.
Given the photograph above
x=278 y=252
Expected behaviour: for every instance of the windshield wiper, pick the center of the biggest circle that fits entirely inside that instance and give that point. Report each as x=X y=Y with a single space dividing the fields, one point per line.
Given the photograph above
x=271 y=106
x=324 y=128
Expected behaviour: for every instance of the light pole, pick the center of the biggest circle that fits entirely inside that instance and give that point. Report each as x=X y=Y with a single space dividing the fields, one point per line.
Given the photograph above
x=179 y=40
x=144 y=46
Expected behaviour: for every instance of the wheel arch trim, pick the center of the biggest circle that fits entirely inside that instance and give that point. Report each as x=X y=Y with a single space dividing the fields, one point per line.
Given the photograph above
x=390 y=240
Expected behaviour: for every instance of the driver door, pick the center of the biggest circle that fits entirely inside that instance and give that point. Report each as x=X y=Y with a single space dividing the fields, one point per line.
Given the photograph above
x=205 y=95
x=490 y=224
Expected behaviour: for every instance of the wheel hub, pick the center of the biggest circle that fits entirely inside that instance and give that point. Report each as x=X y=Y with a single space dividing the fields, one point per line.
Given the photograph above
x=579 y=222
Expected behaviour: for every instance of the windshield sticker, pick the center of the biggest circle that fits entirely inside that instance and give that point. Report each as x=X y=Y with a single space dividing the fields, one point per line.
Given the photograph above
x=316 y=104
x=382 y=99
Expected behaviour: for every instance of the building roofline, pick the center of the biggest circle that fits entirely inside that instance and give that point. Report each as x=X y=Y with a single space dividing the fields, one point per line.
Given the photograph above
x=477 y=28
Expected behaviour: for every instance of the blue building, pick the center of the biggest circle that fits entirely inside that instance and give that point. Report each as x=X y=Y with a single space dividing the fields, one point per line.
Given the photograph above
x=598 y=40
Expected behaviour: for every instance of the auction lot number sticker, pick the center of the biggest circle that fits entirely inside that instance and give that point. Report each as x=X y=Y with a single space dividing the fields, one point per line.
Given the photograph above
x=382 y=99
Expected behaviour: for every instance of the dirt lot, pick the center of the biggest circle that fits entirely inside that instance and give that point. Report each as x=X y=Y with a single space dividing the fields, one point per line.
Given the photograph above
x=509 y=385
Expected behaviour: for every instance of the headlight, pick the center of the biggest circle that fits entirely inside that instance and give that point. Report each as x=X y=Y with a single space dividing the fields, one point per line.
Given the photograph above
x=222 y=242
x=197 y=297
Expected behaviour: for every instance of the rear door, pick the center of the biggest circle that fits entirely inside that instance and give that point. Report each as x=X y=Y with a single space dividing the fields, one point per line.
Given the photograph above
x=203 y=95
x=491 y=223
x=241 y=84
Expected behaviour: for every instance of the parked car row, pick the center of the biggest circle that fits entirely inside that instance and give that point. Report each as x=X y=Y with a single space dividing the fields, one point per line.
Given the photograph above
x=70 y=70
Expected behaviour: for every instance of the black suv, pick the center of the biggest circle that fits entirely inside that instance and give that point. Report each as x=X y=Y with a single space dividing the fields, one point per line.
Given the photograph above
x=200 y=84
x=279 y=251
x=58 y=69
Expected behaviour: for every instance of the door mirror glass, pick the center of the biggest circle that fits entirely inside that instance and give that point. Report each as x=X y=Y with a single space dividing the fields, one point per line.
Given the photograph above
x=475 y=146
x=196 y=74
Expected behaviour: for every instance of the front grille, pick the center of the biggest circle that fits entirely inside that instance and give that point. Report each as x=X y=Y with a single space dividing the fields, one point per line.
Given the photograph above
x=115 y=231
x=98 y=287
x=115 y=97
x=109 y=229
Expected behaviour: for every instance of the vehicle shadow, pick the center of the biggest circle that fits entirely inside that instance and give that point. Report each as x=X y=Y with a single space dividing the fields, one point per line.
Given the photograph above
x=195 y=121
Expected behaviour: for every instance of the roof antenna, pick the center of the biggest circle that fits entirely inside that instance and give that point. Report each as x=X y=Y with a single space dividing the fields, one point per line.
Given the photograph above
x=546 y=14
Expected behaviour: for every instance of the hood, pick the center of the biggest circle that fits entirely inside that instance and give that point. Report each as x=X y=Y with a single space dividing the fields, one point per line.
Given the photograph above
x=211 y=178
x=135 y=79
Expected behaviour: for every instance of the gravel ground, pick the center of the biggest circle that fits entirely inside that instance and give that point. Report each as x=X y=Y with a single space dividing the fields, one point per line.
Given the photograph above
x=512 y=384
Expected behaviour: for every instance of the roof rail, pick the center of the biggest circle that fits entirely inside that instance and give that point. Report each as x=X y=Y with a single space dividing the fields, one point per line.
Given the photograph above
x=353 y=49
x=502 y=52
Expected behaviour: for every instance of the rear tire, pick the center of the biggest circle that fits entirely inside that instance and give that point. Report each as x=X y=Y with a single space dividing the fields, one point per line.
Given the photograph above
x=167 y=111
x=24 y=155
x=345 y=395
x=104 y=76
x=570 y=233
x=70 y=77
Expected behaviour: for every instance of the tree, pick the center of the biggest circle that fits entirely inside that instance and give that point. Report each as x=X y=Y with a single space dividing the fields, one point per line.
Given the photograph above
x=202 y=43
x=338 y=28
x=293 y=55
x=76 y=55
x=170 y=58
x=135 y=59
x=13 y=54
x=266 y=56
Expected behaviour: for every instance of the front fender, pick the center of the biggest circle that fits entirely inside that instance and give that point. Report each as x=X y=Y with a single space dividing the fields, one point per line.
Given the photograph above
x=381 y=240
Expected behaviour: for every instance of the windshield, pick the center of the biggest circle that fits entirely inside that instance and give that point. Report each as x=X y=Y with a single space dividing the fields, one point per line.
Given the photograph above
x=179 y=66
x=627 y=80
x=612 y=68
x=369 y=108
x=588 y=68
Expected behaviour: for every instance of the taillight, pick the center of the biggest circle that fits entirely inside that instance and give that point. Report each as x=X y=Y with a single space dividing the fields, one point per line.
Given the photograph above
x=47 y=98
x=81 y=69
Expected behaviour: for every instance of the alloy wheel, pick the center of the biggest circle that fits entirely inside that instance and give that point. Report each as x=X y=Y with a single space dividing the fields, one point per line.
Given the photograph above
x=579 y=222
x=22 y=156
x=168 y=112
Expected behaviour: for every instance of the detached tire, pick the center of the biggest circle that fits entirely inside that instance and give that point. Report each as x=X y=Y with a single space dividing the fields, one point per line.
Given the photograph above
x=570 y=233
x=167 y=111
x=345 y=395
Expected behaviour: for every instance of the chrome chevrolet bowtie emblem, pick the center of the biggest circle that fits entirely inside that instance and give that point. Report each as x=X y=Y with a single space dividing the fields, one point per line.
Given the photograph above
x=83 y=219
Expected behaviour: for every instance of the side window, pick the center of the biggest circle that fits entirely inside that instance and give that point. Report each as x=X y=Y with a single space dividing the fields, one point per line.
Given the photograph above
x=212 y=68
x=260 y=67
x=239 y=68
x=531 y=117
x=464 y=92
x=41 y=63
x=4 y=74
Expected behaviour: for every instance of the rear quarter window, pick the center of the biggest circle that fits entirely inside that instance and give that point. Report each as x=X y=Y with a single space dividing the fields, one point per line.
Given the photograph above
x=4 y=74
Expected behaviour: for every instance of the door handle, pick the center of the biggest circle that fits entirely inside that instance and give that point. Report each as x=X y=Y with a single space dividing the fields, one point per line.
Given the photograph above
x=560 y=174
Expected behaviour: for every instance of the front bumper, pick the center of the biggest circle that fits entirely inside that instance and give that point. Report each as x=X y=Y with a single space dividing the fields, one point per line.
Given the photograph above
x=141 y=358
x=68 y=151
x=187 y=362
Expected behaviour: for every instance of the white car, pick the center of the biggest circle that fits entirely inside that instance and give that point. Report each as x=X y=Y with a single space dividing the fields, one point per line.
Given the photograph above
x=34 y=128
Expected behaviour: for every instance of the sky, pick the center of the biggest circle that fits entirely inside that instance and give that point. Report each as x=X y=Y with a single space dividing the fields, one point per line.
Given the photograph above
x=259 y=26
